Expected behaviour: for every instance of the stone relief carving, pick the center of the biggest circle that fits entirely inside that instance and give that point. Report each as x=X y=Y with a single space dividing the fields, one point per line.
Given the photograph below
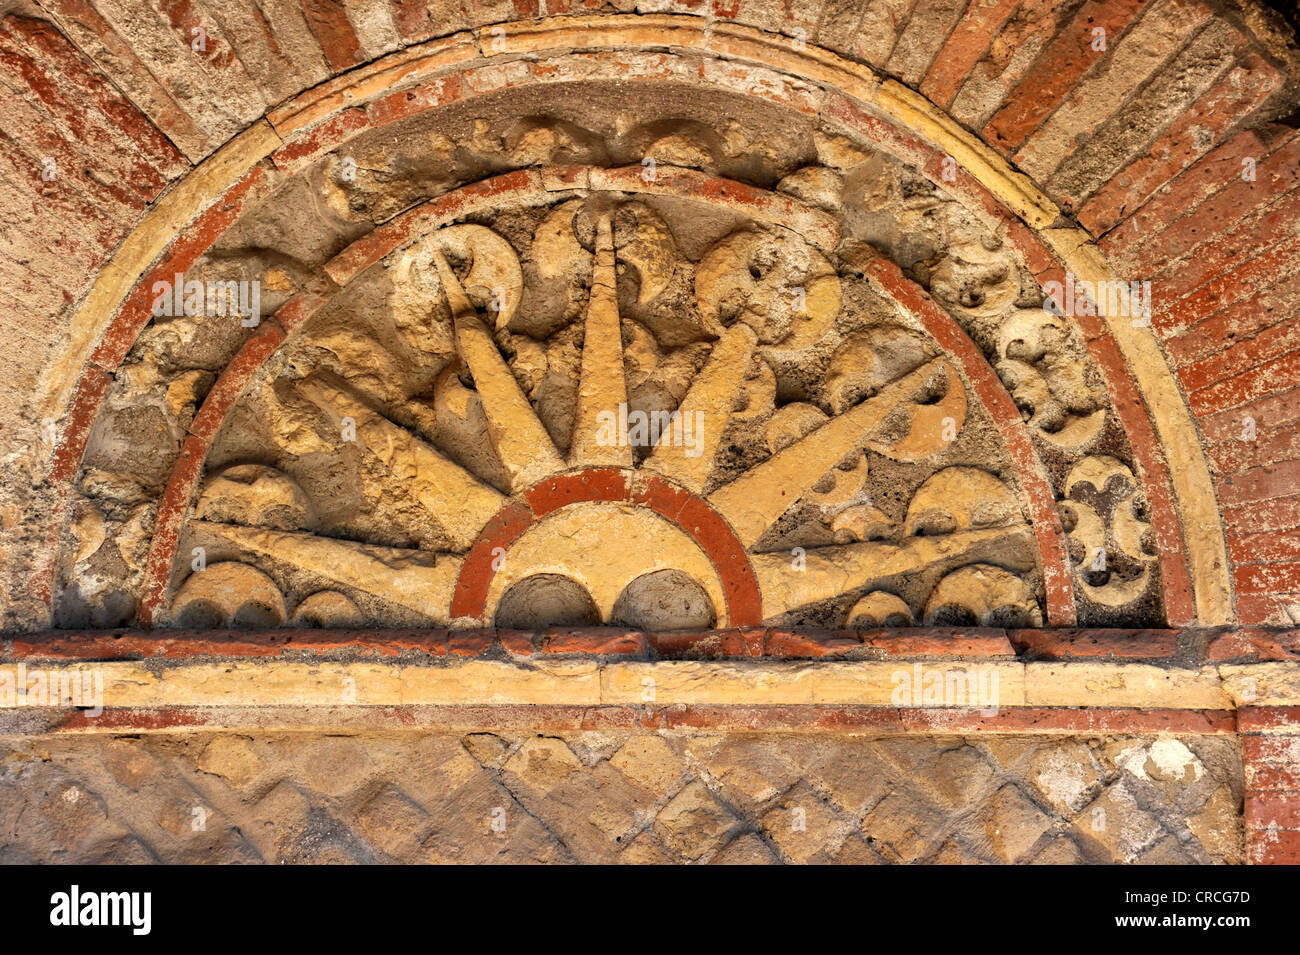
x=359 y=477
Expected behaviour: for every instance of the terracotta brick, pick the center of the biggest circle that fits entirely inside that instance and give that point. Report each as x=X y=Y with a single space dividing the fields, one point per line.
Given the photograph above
x=1274 y=750
x=710 y=644
x=1270 y=609
x=78 y=114
x=1186 y=140
x=1268 y=377
x=1264 y=547
x=1183 y=193
x=1106 y=146
x=941 y=642
x=1239 y=320
x=518 y=643
x=1270 y=719
x=1280 y=808
x=1057 y=71
x=1272 y=445
x=320 y=139
x=1270 y=413
x=1264 y=777
x=469 y=643
x=1260 y=484
x=328 y=20
x=85 y=26
x=1243 y=356
x=879 y=28
x=1010 y=56
x=603 y=641
x=1254 y=234
x=964 y=47
x=1253 y=645
x=1279 y=577
x=1227 y=201
x=809 y=644
x=1089 y=644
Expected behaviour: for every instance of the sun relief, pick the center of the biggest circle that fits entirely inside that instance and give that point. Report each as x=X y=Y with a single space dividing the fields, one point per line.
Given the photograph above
x=649 y=396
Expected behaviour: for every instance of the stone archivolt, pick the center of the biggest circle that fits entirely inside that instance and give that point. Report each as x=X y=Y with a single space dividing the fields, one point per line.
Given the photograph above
x=458 y=433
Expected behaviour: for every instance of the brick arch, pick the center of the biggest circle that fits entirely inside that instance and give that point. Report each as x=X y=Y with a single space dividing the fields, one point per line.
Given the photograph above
x=900 y=120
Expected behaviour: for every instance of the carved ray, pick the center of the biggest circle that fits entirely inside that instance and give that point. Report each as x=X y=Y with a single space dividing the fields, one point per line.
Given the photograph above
x=455 y=498
x=712 y=395
x=753 y=502
x=603 y=382
x=831 y=571
x=517 y=434
x=416 y=580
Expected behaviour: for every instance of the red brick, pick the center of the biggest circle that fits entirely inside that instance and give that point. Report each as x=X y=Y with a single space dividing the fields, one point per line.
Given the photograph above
x=710 y=644
x=1274 y=750
x=230 y=384
x=34 y=137
x=1280 y=577
x=1274 y=375
x=1166 y=240
x=80 y=73
x=964 y=48
x=1057 y=71
x=320 y=139
x=1181 y=195
x=1226 y=331
x=1183 y=143
x=416 y=99
x=1272 y=446
x=414 y=20
x=189 y=245
x=1280 y=808
x=116 y=156
x=1264 y=547
x=940 y=642
x=1253 y=235
x=74 y=430
x=151 y=95
x=1044 y=516
x=1260 y=719
x=810 y=644
x=1265 y=608
x=166 y=532
x=469 y=599
x=603 y=641
x=329 y=22
x=1240 y=281
x=469 y=643
x=518 y=643
x=1088 y=644
x=1270 y=413
x=1263 y=777
x=1242 y=355
x=1277 y=514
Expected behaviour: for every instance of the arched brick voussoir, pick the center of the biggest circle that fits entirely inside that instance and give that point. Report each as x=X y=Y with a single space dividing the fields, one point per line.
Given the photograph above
x=1054 y=559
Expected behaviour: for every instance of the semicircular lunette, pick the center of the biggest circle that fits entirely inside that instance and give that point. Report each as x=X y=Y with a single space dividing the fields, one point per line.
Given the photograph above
x=796 y=409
